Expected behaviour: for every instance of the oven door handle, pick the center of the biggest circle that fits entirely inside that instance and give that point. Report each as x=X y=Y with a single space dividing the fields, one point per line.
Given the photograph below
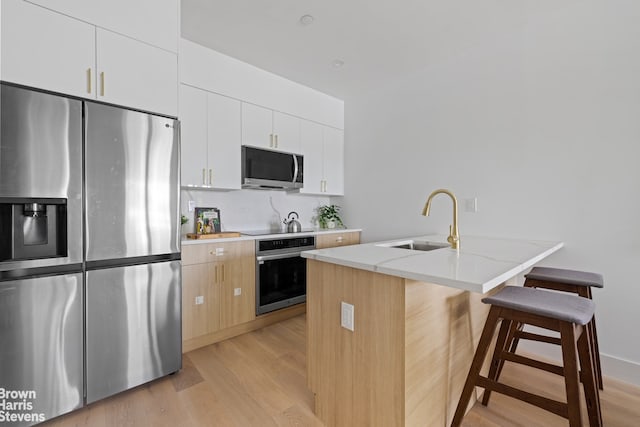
x=263 y=258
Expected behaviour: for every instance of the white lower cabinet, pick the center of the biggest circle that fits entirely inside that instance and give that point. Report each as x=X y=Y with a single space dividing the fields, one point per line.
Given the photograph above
x=51 y=51
x=210 y=139
x=323 y=150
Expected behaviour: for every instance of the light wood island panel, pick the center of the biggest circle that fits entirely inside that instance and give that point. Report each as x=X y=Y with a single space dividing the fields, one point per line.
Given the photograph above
x=407 y=359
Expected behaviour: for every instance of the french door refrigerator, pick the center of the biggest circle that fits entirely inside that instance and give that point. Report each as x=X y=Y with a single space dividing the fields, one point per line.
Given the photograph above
x=90 y=284
x=132 y=253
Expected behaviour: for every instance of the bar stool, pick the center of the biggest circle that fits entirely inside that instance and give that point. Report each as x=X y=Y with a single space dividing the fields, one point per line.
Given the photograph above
x=572 y=281
x=566 y=314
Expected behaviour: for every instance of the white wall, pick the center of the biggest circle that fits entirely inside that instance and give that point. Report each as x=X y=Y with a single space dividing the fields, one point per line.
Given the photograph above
x=541 y=125
x=252 y=209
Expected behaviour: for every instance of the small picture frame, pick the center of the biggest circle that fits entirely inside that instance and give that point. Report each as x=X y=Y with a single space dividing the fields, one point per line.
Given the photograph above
x=207 y=220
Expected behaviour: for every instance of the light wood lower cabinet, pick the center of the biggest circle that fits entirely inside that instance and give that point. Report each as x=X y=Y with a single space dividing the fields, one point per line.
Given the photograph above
x=218 y=287
x=331 y=240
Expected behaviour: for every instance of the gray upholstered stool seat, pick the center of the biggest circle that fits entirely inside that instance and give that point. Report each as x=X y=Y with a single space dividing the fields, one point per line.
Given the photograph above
x=570 y=281
x=570 y=277
x=567 y=314
x=565 y=307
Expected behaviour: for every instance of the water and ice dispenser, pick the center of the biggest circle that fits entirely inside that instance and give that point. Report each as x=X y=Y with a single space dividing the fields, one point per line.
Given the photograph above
x=33 y=229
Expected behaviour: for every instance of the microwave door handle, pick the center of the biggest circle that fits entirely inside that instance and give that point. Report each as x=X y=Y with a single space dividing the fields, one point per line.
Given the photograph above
x=295 y=169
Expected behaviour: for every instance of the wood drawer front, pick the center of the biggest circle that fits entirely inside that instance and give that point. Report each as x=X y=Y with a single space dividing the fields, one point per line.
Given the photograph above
x=337 y=239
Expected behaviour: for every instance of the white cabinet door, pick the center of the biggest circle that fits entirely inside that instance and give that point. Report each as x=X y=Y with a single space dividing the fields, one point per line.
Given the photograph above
x=47 y=50
x=286 y=129
x=312 y=150
x=333 y=161
x=152 y=21
x=223 y=123
x=257 y=125
x=193 y=137
x=135 y=74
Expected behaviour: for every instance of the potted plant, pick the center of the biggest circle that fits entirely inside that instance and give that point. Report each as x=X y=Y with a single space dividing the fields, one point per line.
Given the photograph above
x=328 y=216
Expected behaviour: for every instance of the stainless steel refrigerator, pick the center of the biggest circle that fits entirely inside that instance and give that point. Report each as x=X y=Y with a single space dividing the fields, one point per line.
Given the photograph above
x=132 y=252
x=90 y=284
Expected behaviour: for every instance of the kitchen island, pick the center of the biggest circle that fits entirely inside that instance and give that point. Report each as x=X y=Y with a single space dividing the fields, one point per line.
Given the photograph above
x=417 y=319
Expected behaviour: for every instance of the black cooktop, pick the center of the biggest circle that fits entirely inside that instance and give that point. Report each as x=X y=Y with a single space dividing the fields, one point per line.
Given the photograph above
x=263 y=232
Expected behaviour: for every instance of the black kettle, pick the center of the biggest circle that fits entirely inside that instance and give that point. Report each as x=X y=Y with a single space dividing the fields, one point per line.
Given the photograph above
x=293 y=225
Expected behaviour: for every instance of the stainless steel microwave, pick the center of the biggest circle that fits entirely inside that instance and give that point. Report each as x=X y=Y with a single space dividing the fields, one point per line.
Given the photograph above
x=271 y=170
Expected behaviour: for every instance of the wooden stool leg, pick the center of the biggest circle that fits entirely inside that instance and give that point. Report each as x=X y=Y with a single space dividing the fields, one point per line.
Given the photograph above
x=589 y=382
x=512 y=342
x=571 y=372
x=593 y=339
x=497 y=361
x=476 y=365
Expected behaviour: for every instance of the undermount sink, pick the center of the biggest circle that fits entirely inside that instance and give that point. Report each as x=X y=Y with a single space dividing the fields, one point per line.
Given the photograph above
x=415 y=245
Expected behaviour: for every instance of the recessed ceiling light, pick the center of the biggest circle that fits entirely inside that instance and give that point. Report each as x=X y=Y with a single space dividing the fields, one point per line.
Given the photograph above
x=337 y=63
x=306 y=20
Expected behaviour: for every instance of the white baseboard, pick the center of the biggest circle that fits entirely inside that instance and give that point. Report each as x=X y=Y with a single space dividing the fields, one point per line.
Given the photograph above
x=614 y=367
x=620 y=369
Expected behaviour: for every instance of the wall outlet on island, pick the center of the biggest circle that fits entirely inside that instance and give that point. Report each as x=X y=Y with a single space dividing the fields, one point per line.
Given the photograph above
x=346 y=318
x=199 y=300
x=471 y=204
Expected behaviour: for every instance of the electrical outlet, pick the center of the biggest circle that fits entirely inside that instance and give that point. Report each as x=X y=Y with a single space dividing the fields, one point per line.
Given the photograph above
x=346 y=318
x=199 y=300
x=191 y=204
x=237 y=292
x=471 y=205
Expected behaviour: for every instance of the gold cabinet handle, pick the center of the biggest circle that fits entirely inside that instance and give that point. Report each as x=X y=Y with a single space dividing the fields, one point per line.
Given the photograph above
x=271 y=140
x=88 y=80
x=222 y=273
x=102 y=83
x=276 y=138
x=210 y=176
x=216 y=275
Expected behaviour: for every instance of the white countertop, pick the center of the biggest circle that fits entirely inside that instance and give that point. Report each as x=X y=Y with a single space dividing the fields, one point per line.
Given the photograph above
x=480 y=264
x=267 y=236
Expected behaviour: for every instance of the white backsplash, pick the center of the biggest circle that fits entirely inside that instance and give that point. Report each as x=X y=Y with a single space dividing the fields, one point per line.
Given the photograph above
x=252 y=209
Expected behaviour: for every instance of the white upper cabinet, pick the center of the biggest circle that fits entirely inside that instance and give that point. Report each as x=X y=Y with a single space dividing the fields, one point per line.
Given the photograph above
x=51 y=51
x=312 y=150
x=47 y=50
x=210 y=139
x=135 y=74
x=333 y=161
x=193 y=137
x=215 y=72
x=323 y=150
x=224 y=158
x=152 y=21
x=286 y=131
x=257 y=126
x=262 y=127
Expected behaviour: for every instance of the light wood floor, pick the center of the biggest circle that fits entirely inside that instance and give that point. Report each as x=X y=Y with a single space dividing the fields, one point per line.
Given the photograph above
x=258 y=379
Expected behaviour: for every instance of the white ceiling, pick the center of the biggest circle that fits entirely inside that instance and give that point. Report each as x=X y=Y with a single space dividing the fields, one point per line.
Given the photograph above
x=378 y=40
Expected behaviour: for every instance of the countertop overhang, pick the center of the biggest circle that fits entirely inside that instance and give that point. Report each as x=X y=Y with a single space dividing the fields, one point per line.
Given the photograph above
x=481 y=263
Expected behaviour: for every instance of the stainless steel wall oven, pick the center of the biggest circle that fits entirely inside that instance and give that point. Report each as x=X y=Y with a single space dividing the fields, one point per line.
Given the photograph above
x=281 y=273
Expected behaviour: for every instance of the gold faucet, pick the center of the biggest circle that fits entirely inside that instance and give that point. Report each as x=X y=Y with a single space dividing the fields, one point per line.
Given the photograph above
x=454 y=237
